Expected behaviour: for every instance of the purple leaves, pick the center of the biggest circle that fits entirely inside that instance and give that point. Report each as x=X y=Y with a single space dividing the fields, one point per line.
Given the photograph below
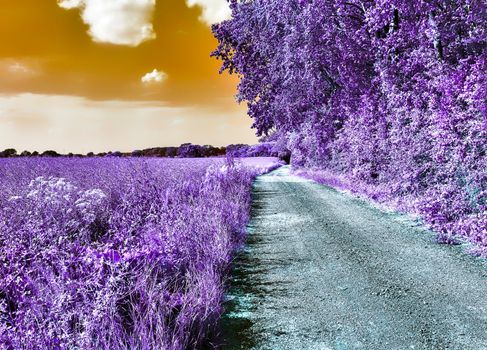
x=387 y=97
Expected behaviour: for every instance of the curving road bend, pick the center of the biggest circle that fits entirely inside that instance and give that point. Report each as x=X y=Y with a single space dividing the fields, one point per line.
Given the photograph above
x=323 y=270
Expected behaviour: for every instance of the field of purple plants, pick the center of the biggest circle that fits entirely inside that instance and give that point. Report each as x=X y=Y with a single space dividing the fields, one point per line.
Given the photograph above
x=384 y=97
x=108 y=253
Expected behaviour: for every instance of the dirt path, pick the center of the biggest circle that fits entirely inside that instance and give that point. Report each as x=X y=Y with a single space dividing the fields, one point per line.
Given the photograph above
x=323 y=270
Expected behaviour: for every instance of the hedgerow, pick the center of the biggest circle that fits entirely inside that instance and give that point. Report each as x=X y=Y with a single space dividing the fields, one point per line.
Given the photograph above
x=385 y=94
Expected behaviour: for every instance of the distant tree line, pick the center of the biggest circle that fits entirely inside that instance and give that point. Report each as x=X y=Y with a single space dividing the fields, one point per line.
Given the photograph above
x=186 y=150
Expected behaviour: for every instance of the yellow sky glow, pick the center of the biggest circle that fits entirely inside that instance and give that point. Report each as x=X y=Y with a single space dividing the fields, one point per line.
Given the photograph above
x=76 y=79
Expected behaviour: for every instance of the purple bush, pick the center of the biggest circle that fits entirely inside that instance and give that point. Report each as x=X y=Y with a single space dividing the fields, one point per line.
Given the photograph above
x=263 y=149
x=387 y=95
x=110 y=253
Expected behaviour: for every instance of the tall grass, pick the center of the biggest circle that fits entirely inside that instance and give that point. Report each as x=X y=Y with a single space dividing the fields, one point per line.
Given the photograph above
x=117 y=253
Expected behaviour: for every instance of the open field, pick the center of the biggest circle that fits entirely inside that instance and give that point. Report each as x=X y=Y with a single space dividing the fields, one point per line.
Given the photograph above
x=107 y=253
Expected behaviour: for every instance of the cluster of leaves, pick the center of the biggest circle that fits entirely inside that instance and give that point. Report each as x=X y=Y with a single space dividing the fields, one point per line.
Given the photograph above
x=11 y=152
x=108 y=253
x=263 y=149
x=389 y=94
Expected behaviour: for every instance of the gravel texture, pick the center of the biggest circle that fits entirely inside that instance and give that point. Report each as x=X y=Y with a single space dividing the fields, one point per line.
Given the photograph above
x=324 y=270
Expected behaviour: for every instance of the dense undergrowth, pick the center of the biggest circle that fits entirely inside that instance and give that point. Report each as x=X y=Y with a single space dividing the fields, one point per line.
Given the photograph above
x=388 y=97
x=117 y=253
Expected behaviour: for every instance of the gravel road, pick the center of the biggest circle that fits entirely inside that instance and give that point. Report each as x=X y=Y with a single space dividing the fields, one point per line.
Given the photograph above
x=323 y=270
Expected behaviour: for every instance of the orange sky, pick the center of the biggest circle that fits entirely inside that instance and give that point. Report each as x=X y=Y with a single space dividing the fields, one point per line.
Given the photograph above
x=71 y=76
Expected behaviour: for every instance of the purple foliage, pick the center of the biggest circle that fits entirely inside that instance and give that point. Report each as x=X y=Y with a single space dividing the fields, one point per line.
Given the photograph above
x=109 y=253
x=263 y=149
x=387 y=95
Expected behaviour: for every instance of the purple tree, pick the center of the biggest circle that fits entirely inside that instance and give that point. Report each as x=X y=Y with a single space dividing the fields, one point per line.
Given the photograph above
x=387 y=93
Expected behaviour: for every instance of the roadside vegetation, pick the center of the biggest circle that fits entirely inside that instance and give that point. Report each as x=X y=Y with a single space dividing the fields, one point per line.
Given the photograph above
x=109 y=253
x=386 y=96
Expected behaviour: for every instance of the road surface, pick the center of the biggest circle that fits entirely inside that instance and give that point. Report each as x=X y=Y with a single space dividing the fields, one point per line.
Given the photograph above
x=323 y=270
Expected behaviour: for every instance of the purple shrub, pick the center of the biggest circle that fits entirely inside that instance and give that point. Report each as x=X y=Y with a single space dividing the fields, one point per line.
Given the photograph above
x=386 y=96
x=110 y=253
x=263 y=149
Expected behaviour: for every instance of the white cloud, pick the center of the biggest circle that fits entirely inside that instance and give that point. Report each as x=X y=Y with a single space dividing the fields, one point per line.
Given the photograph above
x=70 y=4
x=214 y=11
x=154 y=77
x=18 y=68
x=120 y=22
x=14 y=69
